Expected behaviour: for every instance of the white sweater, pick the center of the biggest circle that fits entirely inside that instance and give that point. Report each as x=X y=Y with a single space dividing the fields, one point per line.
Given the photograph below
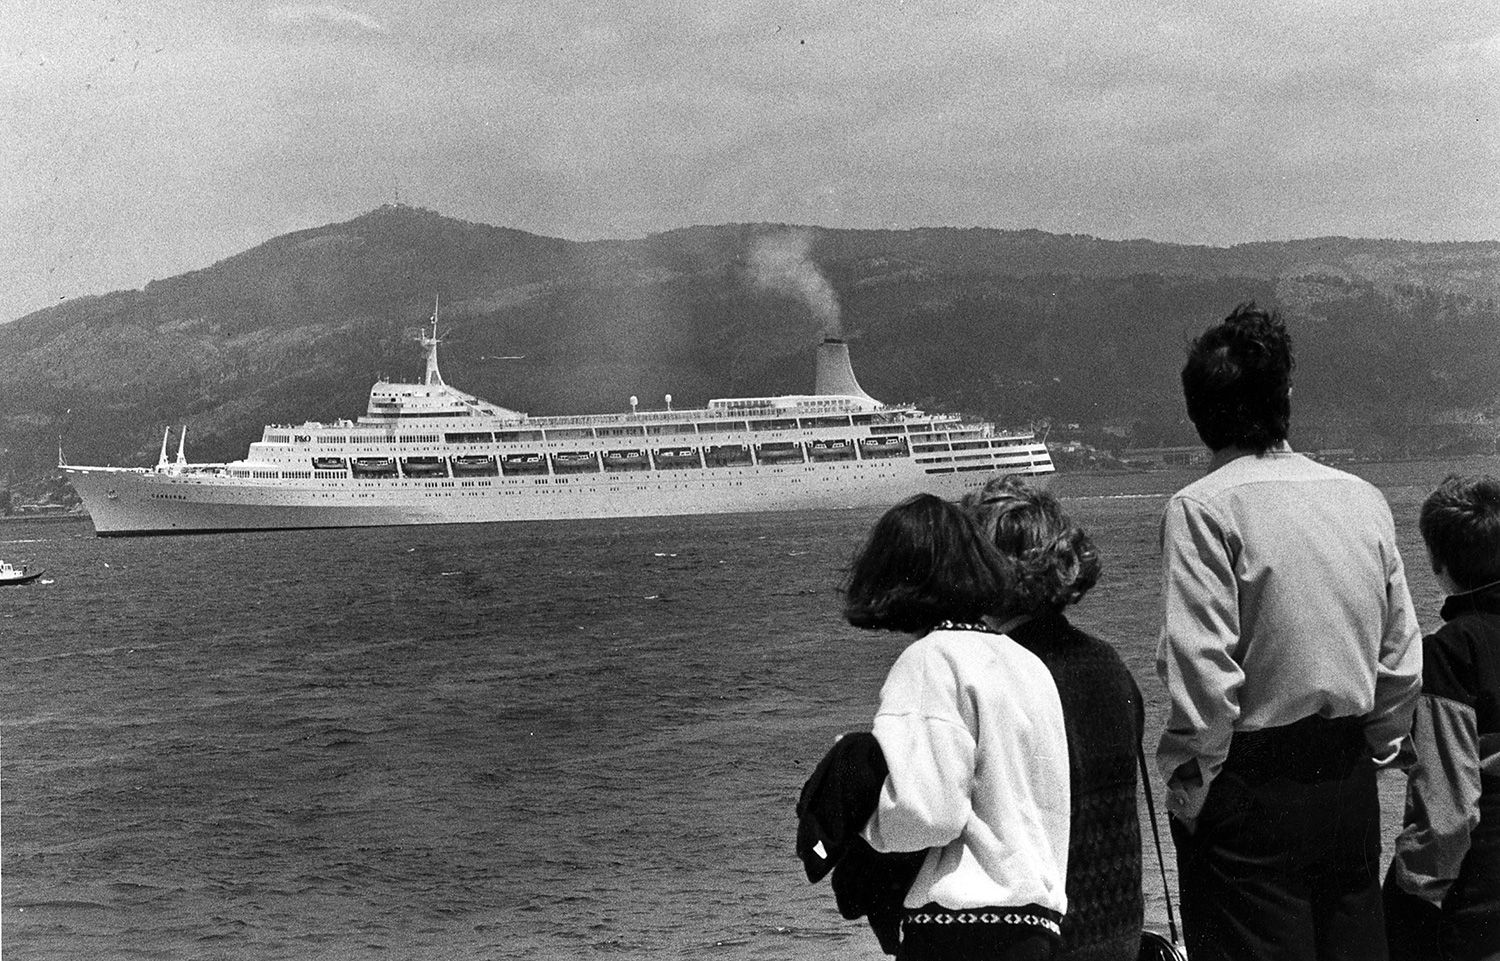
x=972 y=729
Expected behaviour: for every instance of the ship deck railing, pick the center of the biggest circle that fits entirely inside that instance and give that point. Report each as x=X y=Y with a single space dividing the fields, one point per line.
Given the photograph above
x=668 y=416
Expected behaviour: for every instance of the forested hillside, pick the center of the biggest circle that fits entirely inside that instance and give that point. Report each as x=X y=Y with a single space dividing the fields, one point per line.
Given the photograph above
x=1398 y=343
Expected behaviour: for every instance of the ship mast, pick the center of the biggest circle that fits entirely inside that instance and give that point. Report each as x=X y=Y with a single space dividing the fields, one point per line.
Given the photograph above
x=161 y=462
x=432 y=378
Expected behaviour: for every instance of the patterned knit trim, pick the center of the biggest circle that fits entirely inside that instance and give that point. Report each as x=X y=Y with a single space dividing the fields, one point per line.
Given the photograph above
x=981 y=627
x=1006 y=916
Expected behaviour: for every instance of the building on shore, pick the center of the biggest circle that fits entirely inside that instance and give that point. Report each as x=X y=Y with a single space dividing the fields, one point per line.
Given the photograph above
x=1189 y=456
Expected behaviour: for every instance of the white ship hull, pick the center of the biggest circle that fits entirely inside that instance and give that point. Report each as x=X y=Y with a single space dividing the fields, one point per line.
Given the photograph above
x=426 y=453
x=124 y=501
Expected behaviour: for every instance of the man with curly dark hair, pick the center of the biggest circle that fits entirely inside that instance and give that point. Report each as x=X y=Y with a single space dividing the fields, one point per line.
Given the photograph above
x=1292 y=661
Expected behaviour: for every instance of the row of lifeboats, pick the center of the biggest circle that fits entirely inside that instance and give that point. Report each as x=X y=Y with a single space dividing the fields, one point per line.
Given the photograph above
x=577 y=462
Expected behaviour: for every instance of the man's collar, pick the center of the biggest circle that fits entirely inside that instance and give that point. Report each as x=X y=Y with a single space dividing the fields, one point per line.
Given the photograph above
x=1226 y=454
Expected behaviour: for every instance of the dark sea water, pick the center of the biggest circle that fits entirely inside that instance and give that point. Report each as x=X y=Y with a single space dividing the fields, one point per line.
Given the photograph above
x=561 y=740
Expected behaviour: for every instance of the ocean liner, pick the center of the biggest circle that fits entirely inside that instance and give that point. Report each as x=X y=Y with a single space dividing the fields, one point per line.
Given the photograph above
x=427 y=453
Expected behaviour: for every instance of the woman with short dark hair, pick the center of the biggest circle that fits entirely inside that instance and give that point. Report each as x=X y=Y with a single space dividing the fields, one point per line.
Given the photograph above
x=1050 y=563
x=972 y=732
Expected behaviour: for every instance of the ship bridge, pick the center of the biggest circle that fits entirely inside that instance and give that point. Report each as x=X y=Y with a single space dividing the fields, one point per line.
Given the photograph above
x=391 y=402
x=432 y=398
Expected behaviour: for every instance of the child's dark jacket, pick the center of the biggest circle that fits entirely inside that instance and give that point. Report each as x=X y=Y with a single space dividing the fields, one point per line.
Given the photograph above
x=1452 y=828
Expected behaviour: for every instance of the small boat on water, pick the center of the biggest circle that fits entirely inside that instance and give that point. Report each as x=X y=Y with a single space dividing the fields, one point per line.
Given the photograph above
x=10 y=574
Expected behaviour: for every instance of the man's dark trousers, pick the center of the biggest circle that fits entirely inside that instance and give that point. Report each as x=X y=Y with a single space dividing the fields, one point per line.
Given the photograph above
x=1284 y=862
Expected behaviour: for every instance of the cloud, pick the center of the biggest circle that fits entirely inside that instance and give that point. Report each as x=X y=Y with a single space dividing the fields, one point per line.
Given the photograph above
x=151 y=142
x=328 y=13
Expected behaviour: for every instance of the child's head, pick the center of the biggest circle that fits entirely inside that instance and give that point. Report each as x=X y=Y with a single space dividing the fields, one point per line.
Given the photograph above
x=1461 y=524
x=925 y=562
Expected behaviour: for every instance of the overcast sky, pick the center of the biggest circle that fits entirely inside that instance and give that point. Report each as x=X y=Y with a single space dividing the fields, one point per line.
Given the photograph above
x=142 y=139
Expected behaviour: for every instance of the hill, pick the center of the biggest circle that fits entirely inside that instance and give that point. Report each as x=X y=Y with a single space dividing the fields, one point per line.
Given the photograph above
x=1398 y=342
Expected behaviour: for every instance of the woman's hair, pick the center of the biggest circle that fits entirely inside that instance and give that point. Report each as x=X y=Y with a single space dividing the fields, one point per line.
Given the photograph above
x=1238 y=381
x=1460 y=522
x=924 y=563
x=1050 y=562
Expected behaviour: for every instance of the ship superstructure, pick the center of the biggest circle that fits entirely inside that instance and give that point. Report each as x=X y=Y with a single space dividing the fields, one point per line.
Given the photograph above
x=428 y=453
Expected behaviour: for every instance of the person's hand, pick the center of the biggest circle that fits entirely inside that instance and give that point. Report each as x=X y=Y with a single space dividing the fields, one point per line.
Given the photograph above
x=1185 y=795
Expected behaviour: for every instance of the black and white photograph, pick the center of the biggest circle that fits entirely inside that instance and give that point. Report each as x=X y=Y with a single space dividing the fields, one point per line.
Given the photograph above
x=762 y=481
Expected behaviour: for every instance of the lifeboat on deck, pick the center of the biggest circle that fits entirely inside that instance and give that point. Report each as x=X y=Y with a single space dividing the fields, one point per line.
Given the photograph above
x=625 y=460
x=675 y=458
x=522 y=464
x=779 y=453
x=423 y=467
x=727 y=455
x=374 y=466
x=575 y=462
x=836 y=449
x=883 y=447
x=474 y=465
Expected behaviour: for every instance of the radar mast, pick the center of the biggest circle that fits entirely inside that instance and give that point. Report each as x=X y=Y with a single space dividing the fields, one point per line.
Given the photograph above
x=433 y=378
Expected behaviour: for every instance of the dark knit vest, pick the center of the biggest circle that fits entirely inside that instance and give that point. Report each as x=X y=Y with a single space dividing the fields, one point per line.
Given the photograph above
x=1103 y=714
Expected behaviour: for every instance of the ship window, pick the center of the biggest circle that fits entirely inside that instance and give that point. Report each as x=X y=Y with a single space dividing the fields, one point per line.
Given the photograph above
x=569 y=433
x=659 y=429
x=888 y=429
x=633 y=430
x=475 y=437
x=718 y=426
x=780 y=424
x=808 y=422
x=511 y=436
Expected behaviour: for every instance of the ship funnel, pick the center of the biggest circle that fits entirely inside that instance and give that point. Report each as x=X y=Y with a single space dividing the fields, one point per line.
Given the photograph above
x=835 y=373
